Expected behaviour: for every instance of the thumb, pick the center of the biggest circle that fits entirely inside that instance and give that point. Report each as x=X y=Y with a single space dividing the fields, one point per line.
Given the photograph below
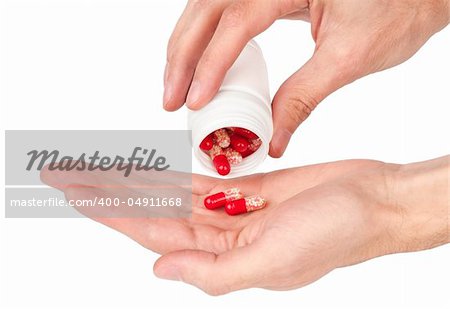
x=301 y=93
x=233 y=270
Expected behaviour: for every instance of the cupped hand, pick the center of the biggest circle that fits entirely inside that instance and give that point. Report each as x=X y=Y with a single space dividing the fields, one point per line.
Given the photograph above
x=353 y=38
x=318 y=218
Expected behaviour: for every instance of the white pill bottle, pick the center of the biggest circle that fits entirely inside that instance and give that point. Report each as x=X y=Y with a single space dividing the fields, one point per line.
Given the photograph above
x=243 y=100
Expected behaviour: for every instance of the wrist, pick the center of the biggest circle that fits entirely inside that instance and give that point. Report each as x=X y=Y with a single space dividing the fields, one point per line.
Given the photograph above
x=420 y=196
x=435 y=14
x=446 y=11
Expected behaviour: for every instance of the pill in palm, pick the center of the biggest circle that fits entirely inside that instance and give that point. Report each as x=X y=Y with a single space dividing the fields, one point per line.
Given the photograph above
x=244 y=205
x=220 y=199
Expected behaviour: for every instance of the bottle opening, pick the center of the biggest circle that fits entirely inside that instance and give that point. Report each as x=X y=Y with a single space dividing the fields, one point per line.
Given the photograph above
x=228 y=148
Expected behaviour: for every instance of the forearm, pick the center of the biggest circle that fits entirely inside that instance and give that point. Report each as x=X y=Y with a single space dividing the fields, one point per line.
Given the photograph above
x=421 y=193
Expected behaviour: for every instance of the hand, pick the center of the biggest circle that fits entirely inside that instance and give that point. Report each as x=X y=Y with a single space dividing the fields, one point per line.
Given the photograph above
x=319 y=218
x=353 y=38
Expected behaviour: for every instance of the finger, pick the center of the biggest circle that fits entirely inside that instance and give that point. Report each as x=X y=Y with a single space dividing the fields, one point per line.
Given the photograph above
x=210 y=231
x=323 y=74
x=157 y=234
x=145 y=183
x=179 y=27
x=117 y=177
x=192 y=9
x=160 y=229
x=202 y=185
x=148 y=192
x=239 y=22
x=190 y=38
x=143 y=224
x=61 y=179
x=173 y=38
x=239 y=268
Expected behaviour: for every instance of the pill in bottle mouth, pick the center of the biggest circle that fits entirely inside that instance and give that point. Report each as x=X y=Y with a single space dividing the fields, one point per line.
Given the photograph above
x=227 y=147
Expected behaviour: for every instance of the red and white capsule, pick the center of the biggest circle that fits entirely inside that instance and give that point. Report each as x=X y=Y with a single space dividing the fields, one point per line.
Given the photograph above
x=220 y=160
x=252 y=147
x=222 y=138
x=244 y=205
x=255 y=144
x=233 y=156
x=220 y=199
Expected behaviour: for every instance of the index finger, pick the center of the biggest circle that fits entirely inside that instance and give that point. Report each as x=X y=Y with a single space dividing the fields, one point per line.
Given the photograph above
x=240 y=22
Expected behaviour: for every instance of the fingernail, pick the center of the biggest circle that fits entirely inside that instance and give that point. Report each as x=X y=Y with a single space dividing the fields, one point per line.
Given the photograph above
x=169 y=272
x=194 y=94
x=280 y=141
x=168 y=93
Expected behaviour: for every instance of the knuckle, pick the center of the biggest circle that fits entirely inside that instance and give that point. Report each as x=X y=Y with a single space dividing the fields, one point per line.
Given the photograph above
x=348 y=61
x=211 y=292
x=70 y=194
x=170 y=49
x=217 y=284
x=214 y=289
x=348 y=64
x=300 y=105
x=200 y=4
x=235 y=15
x=207 y=61
x=177 y=59
x=176 y=53
x=171 y=55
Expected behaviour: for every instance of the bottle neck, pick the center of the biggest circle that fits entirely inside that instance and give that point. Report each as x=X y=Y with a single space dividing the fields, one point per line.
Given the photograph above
x=233 y=109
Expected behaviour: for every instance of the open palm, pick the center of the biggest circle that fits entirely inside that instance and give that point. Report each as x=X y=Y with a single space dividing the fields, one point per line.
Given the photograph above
x=288 y=244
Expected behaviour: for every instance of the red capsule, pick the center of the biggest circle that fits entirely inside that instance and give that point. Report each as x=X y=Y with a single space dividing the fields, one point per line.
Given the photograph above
x=245 y=205
x=246 y=153
x=220 y=160
x=222 y=165
x=245 y=133
x=207 y=143
x=239 y=143
x=220 y=199
x=252 y=147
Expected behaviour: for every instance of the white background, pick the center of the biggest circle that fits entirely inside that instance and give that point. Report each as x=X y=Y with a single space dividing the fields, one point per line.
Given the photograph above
x=79 y=64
